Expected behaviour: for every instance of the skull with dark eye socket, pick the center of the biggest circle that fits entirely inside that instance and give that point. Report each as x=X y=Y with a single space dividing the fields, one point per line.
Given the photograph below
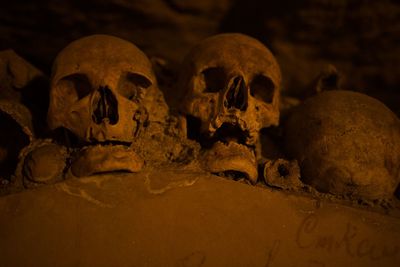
x=133 y=86
x=232 y=88
x=103 y=91
x=98 y=84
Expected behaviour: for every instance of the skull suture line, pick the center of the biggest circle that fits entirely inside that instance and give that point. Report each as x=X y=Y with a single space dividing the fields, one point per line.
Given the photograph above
x=232 y=85
x=104 y=91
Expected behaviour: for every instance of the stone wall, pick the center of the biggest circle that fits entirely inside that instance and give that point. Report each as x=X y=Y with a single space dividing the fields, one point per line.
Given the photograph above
x=359 y=37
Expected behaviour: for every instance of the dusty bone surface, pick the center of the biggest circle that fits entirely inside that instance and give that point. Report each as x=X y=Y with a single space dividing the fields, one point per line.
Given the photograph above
x=346 y=144
x=231 y=86
x=107 y=84
x=42 y=162
x=107 y=112
x=104 y=92
x=283 y=174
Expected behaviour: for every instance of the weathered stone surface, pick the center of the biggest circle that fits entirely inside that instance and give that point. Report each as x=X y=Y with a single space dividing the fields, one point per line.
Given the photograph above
x=359 y=36
x=181 y=218
x=163 y=28
x=23 y=86
x=173 y=218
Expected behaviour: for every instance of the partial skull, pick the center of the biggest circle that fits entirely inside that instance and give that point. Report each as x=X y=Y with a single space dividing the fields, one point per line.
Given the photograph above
x=231 y=88
x=347 y=144
x=283 y=174
x=43 y=162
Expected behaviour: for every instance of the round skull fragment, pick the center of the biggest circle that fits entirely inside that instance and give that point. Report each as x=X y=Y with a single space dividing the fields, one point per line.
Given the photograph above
x=283 y=174
x=44 y=162
x=104 y=92
x=231 y=86
x=346 y=144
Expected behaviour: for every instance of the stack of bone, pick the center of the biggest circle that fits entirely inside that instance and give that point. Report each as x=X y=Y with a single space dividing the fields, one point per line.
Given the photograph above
x=107 y=113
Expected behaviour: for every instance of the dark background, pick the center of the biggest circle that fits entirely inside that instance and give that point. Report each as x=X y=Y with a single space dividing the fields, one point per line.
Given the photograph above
x=360 y=37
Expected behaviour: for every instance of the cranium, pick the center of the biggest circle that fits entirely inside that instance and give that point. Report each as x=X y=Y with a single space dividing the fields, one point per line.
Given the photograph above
x=232 y=86
x=346 y=144
x=103 y=90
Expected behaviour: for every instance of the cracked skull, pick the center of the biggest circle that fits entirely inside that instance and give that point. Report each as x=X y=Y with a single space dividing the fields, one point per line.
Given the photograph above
x=232 y=85
x=103 y=91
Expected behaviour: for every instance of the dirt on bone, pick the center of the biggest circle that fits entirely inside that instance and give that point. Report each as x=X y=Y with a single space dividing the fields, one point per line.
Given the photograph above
x=97 y=101
x=238 y=99
x=217 y=78
x=347 y=143
x=283 y=174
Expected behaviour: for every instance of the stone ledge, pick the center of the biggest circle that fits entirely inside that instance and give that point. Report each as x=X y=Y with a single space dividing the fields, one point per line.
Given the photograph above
x=182 y=218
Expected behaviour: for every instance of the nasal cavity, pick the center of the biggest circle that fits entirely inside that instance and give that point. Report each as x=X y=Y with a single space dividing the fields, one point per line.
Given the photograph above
x=236 y=96
x=106 y=107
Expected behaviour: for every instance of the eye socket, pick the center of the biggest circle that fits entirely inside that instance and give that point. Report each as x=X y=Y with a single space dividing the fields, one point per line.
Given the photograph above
x=77 y=85
x=262 y=88
x=214 y=79
x=133 y=85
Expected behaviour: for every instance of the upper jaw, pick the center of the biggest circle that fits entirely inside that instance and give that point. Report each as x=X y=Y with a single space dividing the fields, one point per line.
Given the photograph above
x=232 y=129
x=70 y=139
x=100 y=134
x=229 y=132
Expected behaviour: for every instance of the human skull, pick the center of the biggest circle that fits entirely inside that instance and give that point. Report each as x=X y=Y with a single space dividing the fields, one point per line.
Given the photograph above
x=103 y=89
x=347 y=144
x=231 y=85
x=233 y=79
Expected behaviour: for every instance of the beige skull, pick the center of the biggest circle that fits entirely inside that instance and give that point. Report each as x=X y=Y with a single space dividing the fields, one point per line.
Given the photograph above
x=231 y=85
x=347 y=144
x=234 y=79
x=103 y=89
